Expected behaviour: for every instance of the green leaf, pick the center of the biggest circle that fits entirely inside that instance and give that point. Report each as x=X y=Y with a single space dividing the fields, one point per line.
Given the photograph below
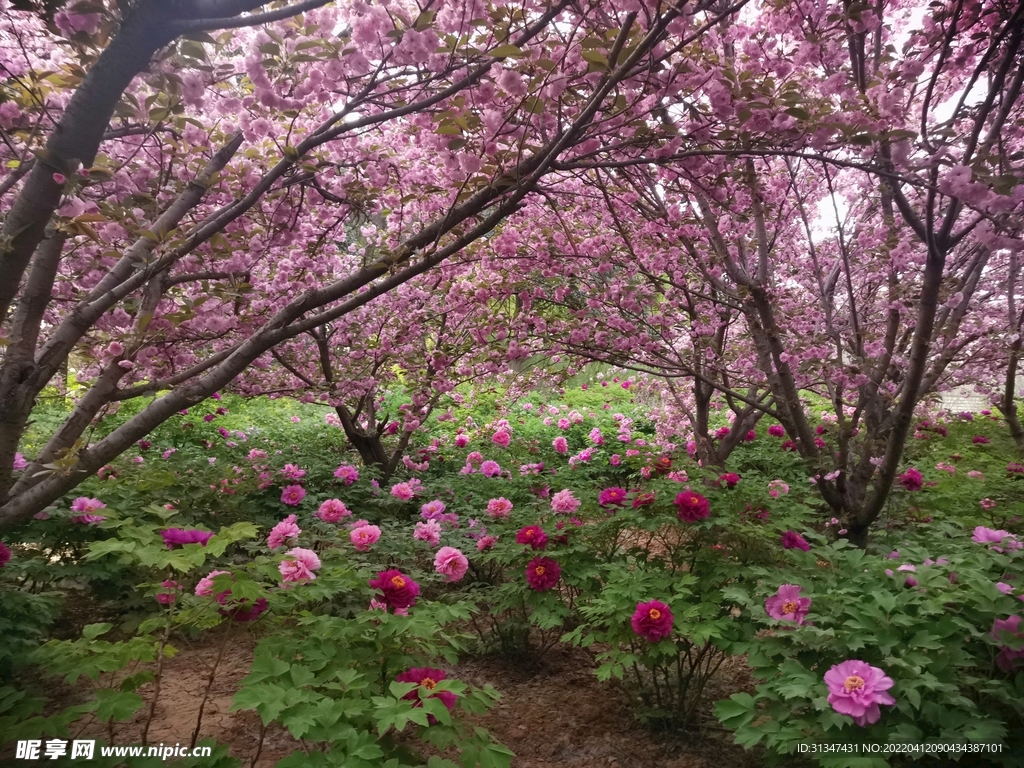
x=92 y=631
x=506 y=51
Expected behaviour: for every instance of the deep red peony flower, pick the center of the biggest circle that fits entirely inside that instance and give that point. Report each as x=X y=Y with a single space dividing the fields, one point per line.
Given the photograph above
x=793 y=540
x=692 y=506
x=652 y=621
x=399 y=590
x=731 y=479
x=532 y=535
x=427 y=679
x=542 y=573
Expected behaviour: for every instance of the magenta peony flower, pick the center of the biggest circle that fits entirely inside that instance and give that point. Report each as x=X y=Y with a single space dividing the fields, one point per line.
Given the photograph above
x=499 y=508
x=776 y=430
x=787 y=605
x=532 y=535
x=652 y=621
x=502 y=438
x=244 y=610
x=912 y=480
x=347 y=474
x=731 y=479
x=450 y=562
x=691 y=506
x=793 y=540
x=490 y=468
x=560 y=444
x=1008 y=630
x=5 y=554
x=564 y=502
x=542 y=573
x=429 y=531
x=980 y=440
x=461 y=441
x=856 y=689
x=333 y=510
x=612 y=497
x=284 y=531
x=399 y=591
x=364 y=537
x=427 y=680
x=182 y=536
x=402 y=491
x=299 y=565
x=292 y=495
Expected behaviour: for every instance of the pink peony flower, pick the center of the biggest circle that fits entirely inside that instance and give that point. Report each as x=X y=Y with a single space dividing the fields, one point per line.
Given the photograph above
x=299 y=565
x=181 y=536
x=490 y=468
x=333 y=510
x=474 y=458
x=615 y=460
x=691 y=506
x=20 y=462
x=170 y=595
x=560 y=444
x=88 y=519
x=499 y=508
x=532 y=535
x=987 y=504
x=461 y=441
x=542 y=573
x=450 y=562
x=364 y=537
x=292 y=472
x=564 y=423
x=777 y=488
x=293 y=495
x=787 y=605
x=912 y=480
x=793 y=540
x=205 y=586
x=429 y=531
x=86 y=505
x=564 y=502
x=1008 y=630
x=432 y=509
x=502 y=438
x=285 y=531
x=402 y=491
x=347 y=474
x=983 y=535
x=427 y=680
x=399 y=591
x=856 y=689
x=612 y=497
x=486 y=542
x=652 y=621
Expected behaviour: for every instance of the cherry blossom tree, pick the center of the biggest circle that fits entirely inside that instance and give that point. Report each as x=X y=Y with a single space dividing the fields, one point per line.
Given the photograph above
x=179 y=176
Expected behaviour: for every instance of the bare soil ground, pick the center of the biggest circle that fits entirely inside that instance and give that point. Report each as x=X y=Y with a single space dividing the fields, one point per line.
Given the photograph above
x=556 y=714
